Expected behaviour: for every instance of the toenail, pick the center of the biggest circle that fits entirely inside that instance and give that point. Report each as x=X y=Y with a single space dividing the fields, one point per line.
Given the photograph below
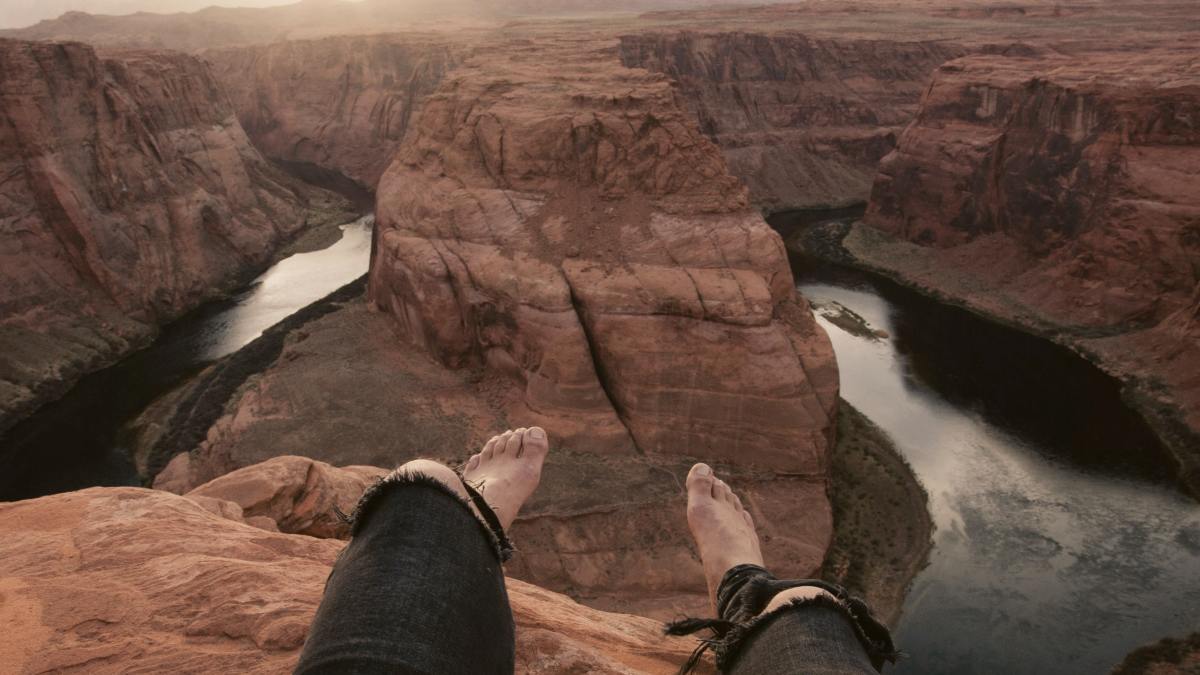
x=537 y=433
x=703 y=470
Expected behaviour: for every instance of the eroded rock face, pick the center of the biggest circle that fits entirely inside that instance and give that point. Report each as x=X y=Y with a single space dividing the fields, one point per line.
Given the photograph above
x=577 y=232
x=299 y=495
x=574 y=232
x=606 y=528
x=1061 y=194
x=114 y=580
x=132 y=195
x=803 y=121
x=341 y=103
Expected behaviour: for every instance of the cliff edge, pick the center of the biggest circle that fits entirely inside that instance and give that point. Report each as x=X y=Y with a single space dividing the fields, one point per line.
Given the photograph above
x=113 y=580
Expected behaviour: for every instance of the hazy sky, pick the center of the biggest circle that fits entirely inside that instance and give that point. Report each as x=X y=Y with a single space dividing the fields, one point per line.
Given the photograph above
x=18 y=13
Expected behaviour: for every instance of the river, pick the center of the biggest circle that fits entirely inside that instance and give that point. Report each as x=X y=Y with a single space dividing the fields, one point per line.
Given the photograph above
x=1062 y=542
x=75 y=442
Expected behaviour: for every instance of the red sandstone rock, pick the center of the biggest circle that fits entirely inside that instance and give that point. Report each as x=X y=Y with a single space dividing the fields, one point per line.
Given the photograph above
x=349 y=393
x=802 y=121
x=575 y=231
x=342 y=103
x=1060 y=193
x=132 y=195
x=299 y=495
x=118 y=580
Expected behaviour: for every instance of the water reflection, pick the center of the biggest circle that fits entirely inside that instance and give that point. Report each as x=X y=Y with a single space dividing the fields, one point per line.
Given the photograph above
x=291 y=284
x=72 y=443
x=1058 y=548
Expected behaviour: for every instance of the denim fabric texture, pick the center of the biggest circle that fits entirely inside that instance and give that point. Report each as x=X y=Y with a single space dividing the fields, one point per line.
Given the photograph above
x=826 y=636
x=419 y=589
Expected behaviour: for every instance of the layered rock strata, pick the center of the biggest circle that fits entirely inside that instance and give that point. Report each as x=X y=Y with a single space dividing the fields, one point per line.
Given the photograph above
x=573 y=231
x=803 y=121
x=607 y=528
x=131 y=194
x=1060 y=194
x=340 y=103
x=114 y=580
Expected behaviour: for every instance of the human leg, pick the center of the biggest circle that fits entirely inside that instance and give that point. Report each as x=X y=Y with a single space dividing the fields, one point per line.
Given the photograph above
x=767 y=625
x=420 y=588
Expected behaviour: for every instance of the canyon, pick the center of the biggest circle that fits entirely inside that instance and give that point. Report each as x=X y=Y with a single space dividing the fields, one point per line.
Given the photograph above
x=802 y=121
x=569 y=232
x=131 y=195
x=1075 y=181
x=340 y=104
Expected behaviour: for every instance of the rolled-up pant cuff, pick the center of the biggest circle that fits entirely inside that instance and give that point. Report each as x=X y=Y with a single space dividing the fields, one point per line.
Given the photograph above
x=482 y=512
x=744 y=593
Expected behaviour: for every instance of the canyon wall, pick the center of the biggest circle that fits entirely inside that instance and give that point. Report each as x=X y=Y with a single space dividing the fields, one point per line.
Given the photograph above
x=131 y=195
x=569 y=230
x=1060 y=194
x=341 y=103
x=574 y=229
x=119 y=580
x=802 y=121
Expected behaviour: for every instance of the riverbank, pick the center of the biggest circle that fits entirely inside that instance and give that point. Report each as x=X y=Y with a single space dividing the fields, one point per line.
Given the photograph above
x=914 y=267
x=70 y=353
x=179 y=421
x=1170 y=656
x=76 y=440
x=882 y=530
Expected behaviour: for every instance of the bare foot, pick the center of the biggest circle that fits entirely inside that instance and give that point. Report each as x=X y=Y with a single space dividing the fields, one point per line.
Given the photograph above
x=723 y=530
x=508 y=469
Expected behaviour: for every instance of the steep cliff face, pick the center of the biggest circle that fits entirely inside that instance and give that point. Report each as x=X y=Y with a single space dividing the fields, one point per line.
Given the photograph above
x=802 y=121
x=1061 y=193
x=118 y=580
x=131 y=195
x=571 y=230
x=574 y=229
x=341 y=103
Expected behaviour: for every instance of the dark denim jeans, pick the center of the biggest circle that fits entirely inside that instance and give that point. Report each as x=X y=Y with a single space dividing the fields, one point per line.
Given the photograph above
x=420 y=589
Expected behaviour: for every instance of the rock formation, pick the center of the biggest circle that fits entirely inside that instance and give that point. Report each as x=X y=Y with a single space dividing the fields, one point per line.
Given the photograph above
x=346 y=392
x=802 y=121
x=341 y=103
x=131 y=195
x=575 y=233
x=114 y=580
x=296 y=494
x=1060 y=194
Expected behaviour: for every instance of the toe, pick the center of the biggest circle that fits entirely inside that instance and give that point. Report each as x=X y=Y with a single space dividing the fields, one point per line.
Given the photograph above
x=536 y=442
x=749 y=519
x=727 y=494
x=700 y=482
x=494 y=446
x=736 y=501
x=720 y=490
x=473 y=462
x=512 y=446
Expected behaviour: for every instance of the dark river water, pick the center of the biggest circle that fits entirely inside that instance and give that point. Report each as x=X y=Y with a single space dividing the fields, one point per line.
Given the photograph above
x=75 y=442
x=1061 y=543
